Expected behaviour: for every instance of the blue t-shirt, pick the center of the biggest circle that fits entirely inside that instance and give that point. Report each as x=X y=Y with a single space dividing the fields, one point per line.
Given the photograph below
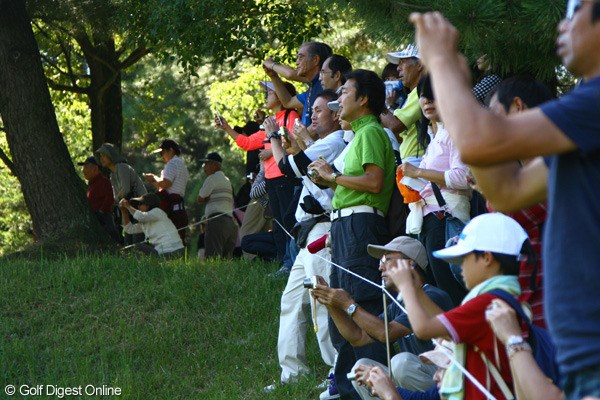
x=308 y=99
x=572 y=232
x=410 y=343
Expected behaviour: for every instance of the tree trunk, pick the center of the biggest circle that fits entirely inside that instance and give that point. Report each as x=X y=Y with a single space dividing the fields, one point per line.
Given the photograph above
x=105 y=93
x=53 y=192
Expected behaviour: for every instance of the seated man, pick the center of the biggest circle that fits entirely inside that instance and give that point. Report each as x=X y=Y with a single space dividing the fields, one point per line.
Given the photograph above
x=359 y=327
x=488 y=251
x=382 y=386
x=152 y=222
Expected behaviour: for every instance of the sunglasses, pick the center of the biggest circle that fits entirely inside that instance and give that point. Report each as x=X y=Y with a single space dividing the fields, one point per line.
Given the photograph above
x=573 y=6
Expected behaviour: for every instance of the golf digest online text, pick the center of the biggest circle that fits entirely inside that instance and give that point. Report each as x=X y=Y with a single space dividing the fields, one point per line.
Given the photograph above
x=61 y=391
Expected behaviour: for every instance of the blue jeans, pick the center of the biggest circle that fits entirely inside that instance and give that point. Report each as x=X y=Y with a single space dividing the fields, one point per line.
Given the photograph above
x=585 y=382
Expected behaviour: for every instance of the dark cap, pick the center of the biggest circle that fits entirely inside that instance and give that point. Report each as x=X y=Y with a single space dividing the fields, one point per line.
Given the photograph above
x=168 y=144
x=150 y=199
x=214 y=156
x=89 y=160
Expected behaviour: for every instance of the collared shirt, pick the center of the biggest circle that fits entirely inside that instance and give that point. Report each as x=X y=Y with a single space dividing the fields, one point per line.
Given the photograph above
x=218 y=188
x=308 y=98
x=176 y=171
x=369 y=146
x=409 y=115
x=329 y=148
x=442 y=155
x=100 y=194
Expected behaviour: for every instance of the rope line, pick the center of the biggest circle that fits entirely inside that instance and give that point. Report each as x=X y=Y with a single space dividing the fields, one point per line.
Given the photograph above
x=383 y=289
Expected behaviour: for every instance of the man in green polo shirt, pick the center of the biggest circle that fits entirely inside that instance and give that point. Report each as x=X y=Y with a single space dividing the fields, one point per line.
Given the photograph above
x=404 y=120
x=363 y=179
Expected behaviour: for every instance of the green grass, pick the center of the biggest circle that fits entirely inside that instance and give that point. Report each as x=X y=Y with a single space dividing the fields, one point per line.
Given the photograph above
x=155 y=329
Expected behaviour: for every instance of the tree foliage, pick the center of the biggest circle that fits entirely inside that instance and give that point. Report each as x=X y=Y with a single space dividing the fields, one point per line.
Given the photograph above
x=517 y=35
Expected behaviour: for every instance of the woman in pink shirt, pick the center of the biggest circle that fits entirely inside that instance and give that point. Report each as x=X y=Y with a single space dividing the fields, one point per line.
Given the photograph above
x=441 y=165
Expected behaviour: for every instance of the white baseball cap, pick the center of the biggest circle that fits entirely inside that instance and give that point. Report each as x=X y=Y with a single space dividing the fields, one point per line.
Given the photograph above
x=493 y=232
x=409 y=51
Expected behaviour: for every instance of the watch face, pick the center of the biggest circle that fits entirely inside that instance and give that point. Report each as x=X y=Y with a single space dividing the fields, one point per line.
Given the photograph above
x=351 y=309
x=512 y=340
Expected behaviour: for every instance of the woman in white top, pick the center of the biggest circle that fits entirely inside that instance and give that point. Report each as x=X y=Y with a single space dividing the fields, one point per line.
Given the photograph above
x=154 y=223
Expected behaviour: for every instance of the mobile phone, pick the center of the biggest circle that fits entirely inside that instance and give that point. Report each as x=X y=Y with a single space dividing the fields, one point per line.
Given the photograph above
x=217 y=114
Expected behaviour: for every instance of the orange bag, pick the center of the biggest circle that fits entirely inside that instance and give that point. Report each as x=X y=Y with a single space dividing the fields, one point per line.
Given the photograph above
x=410 y=195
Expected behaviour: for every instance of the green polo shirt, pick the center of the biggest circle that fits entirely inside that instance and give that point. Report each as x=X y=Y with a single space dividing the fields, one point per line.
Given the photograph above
x=409 y=115
x=370 y=146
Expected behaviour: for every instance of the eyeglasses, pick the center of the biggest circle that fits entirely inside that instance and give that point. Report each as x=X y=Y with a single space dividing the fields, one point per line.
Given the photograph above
x=573 y=6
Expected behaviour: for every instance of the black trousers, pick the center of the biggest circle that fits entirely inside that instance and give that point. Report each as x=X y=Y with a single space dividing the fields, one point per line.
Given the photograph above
x=433 y=237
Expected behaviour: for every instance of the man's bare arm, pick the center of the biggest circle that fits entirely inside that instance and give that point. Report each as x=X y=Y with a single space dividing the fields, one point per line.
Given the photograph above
x=510 y=187
x=482 y=137
x=287 y=100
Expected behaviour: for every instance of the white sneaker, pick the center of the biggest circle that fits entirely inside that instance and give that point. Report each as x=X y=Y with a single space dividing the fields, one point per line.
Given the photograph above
x=270 y=388
x=326 y=395
x=331 y=392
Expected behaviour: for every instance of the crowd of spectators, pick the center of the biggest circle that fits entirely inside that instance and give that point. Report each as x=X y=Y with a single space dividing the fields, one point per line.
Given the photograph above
x=330 y=159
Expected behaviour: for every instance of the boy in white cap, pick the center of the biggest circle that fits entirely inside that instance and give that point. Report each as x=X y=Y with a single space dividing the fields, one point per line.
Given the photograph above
x=488 y=251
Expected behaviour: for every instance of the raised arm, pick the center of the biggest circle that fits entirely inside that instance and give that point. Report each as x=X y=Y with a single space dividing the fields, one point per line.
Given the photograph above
x=482 y=137
x=420 y=308
x=287 y=100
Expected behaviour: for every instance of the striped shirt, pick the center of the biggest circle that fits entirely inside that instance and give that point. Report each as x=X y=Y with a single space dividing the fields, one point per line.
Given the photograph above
x=176 y=171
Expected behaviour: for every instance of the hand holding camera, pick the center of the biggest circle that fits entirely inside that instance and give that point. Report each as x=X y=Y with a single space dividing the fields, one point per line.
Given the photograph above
x=270 y=125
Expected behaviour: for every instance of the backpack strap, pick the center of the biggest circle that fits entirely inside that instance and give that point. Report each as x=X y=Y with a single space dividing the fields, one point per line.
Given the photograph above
x=504 y=295
x=497 y=377
x=285 y=117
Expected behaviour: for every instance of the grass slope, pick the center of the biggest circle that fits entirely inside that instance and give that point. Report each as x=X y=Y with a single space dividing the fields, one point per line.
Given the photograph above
x=155 y=329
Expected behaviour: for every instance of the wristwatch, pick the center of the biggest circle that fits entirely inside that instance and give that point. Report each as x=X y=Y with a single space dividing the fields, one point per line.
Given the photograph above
x=351 y=309
x=274 y=135
x=334 y=175
x=516 y=343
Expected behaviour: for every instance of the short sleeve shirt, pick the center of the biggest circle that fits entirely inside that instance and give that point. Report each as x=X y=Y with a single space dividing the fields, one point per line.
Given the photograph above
x=176 y=171
x=369 y=146
x=218 y=187
x=467 y=324
x=411 y=343
x=572 y=230
x=308 y=98
x=409 y=115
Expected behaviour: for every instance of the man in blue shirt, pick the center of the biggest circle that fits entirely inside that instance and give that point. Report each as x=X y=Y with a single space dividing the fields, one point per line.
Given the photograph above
x=309 y=61
x=563 y=137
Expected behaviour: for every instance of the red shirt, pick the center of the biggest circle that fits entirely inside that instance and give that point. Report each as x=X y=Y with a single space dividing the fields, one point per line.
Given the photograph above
x=531 y=219
x=100 y=194
x=467 y=324
x=255 y=141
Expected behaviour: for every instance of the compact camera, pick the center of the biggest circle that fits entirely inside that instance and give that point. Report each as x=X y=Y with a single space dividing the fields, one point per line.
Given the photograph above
x=351 y=376
x=310 y=283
